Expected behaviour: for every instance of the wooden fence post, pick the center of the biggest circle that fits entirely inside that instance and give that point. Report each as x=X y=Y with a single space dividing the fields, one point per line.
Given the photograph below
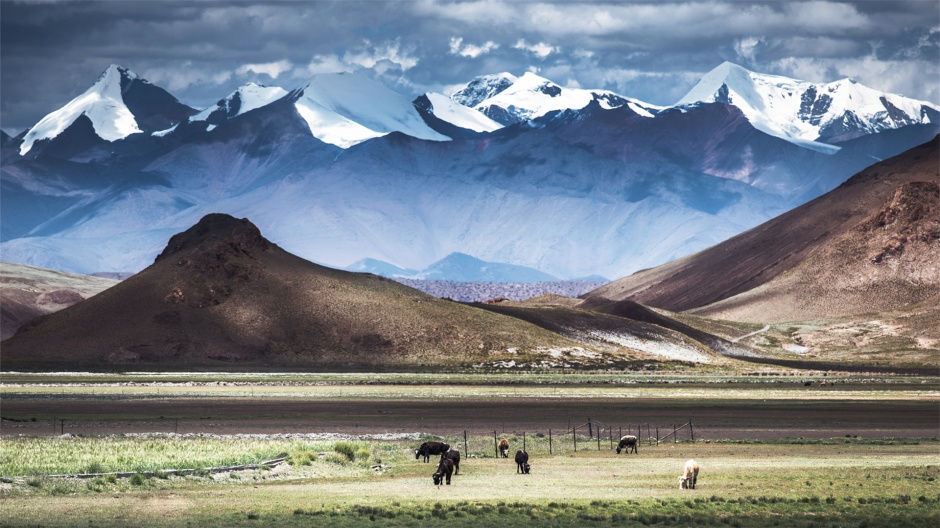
x=590 y=429
x=523 y=440
x=495 y=445
x=466 y=452
x=691 y=431
x=675 y=437
x=575 y=436
x=549 y=441
x=610 y=435
x=657 y=436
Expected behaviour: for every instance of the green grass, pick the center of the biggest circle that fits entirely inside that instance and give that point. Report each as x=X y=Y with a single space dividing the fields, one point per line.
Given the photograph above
x=755 y=484
x=22 y=456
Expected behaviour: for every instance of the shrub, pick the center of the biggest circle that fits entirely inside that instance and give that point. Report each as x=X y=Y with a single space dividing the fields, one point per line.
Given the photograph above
x=336 y=458
x=94 y=467
x=252 y=515
x=347 y=449
x=138 y=479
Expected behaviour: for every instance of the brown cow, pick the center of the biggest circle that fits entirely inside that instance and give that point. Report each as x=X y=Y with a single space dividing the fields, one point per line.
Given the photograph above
x=504 y=448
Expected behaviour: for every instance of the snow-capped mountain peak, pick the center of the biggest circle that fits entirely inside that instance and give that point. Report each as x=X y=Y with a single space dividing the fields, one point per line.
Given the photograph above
x=482 y=88
x=103 y=104
x=808 y=113
x=245 y=99
x=532 y=96
x=345 y=109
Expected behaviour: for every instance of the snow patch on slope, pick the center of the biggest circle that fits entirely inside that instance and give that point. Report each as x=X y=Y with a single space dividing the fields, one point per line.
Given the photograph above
x=457 y=114
x=247 y=98
x=344 y=109
x=655 y=347
x=103 y=104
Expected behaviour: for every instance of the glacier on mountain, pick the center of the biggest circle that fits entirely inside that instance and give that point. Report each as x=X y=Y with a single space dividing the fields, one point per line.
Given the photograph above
x=103 y=104
x=345 y=109
x=805 y=113
x=343 y=169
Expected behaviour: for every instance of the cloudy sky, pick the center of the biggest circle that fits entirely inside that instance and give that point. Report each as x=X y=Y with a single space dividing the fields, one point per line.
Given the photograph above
x=53 y=50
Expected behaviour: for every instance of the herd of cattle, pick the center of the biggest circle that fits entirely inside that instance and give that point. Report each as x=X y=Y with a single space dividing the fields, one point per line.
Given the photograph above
x=449 y=463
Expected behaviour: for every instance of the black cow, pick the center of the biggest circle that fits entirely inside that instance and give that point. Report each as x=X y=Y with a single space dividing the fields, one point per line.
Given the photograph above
x=431 y=448
x=628 y=442
x=444 y=470
x=454 y=456
x=522 y=462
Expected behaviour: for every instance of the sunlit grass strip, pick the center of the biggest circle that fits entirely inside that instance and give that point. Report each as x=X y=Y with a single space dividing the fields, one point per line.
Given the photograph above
x=23 y=456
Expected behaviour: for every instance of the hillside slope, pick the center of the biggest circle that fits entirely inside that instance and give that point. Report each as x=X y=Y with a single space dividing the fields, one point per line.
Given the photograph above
x=221 y=296
x=27 y=292
x=872 y=244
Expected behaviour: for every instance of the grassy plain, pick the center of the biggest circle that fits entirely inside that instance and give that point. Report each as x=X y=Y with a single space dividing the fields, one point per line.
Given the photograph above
x=773 y=451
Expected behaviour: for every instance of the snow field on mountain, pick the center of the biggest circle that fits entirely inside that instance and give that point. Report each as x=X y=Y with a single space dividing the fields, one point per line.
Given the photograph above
x=775 y=105
x=250 y=97
x=345 y=109
x=102 y=104
x=457 y=114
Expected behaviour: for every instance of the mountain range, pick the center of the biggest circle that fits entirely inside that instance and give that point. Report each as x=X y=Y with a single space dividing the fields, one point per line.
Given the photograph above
x=513 y=170
x=871 y=245
x=847 y=281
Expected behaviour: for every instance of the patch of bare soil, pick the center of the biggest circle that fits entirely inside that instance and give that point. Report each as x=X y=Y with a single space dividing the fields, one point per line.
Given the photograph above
x=712 y=419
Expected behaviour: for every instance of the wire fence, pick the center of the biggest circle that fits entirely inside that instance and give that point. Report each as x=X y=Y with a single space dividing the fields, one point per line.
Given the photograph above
x=590 y=435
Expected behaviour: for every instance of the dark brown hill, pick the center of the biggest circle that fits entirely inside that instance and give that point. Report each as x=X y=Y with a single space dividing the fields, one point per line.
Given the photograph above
x=221 y=296
x=872 y=244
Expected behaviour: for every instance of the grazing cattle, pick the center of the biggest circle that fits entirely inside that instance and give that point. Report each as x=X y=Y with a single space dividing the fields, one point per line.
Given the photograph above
x=522 y=462
x=504 y=448
x=628 y=442
x=431 y=448
x=689 y=475
x=444 y=470
x=454 y=456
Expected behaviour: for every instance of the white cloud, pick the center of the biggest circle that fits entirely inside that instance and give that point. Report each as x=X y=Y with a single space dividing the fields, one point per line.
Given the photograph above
x=324 y=64
x=369 y=54
x=184 y=76
x=457 y=47
x=540 y=50
x=271 y=69
x=746 y=47
x=903 y=77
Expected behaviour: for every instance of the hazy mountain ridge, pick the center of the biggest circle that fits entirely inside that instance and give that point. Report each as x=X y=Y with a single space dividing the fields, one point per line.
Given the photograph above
x=871 y=245
x=222 y=296
x=593 y=173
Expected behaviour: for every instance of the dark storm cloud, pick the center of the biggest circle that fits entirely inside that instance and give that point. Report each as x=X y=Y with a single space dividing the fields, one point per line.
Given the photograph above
x=202 y=50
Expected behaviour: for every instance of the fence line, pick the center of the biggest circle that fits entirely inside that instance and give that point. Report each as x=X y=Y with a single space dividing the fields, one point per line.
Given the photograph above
x=587 y=435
